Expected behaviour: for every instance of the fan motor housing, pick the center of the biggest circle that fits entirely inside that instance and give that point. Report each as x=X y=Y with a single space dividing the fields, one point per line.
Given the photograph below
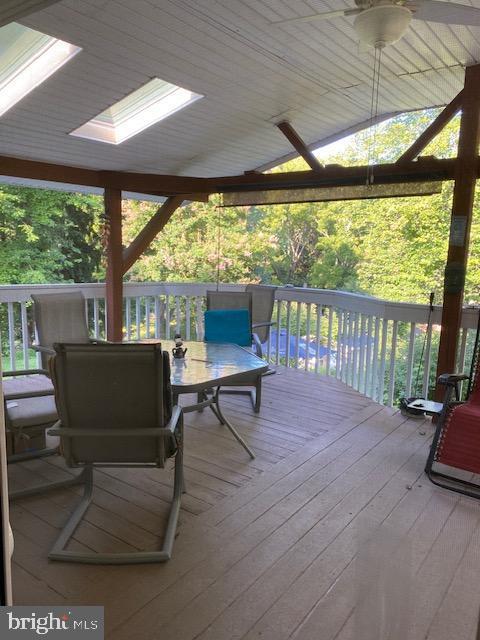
x=382 y=24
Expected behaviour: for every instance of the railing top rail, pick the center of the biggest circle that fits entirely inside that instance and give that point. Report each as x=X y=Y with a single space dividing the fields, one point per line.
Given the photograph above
x=368 y=305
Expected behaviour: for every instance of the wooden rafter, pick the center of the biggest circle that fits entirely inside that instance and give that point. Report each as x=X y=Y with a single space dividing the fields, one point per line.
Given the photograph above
x=299 y=145
x=433 y=129
x=150 y=231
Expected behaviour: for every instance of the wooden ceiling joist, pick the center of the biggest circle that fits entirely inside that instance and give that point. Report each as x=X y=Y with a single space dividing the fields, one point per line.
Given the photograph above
x=299 y=145
x=433 y=129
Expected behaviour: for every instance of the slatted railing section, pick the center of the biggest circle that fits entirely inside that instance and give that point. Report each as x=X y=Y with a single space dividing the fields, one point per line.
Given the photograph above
x=373 y=346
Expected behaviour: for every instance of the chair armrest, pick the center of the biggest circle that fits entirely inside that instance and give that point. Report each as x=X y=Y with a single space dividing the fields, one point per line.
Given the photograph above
x=73 y=432
x=451 y=378
x=23 y=372
x=38 y=347
x=172 y=424
x=258 y=345
x=255 y=325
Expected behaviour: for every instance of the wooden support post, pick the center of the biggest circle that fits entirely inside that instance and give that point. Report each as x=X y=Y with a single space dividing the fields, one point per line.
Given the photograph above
x=462 y=208
x=150 y=231
x=114 y=282
x=299 y=145
x=433 y=129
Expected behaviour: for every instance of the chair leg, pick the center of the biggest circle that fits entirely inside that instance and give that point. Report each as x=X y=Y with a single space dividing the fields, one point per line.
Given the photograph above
x=60 y=553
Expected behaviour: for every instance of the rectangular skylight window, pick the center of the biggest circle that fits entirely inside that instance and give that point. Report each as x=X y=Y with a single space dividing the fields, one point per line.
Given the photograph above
x=27 y=58
x=146 y=106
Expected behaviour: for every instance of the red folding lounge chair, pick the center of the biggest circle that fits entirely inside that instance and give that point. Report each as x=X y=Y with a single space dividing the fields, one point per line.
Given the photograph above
x=455 y=450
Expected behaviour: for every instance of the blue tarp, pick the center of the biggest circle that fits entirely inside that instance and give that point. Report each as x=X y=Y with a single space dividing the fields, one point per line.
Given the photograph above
x=303 y=347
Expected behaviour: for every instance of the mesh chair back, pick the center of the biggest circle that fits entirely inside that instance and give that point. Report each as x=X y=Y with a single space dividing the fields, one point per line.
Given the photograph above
x=111 y=386
x=229 y=300
x=228 y=325
x=263 y=300
x=60 y=317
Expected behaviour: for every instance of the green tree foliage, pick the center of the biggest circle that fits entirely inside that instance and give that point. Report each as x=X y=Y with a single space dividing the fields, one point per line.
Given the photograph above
x=49 y=236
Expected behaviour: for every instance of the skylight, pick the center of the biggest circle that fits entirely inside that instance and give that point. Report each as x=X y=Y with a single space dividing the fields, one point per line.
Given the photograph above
x=146 y=106
x=27 y=58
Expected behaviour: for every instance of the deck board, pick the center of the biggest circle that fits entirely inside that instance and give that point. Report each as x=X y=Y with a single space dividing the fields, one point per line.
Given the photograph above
x=266 y=548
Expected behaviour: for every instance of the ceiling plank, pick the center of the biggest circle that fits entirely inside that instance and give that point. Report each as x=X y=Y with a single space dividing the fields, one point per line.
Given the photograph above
x=150 y=231
x=12 y=10
x=299 y=145
x=433 y=129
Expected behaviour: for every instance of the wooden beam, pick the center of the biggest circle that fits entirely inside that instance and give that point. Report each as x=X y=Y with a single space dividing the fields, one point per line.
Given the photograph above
x=423 y=169
x=462 y=209
x=299 y=145
x=114 y=280
x=150 y=231
x=12 y=10
x=433 y=129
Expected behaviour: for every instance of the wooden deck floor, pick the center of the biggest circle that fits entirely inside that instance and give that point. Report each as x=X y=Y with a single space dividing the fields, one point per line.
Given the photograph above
x=270 y=548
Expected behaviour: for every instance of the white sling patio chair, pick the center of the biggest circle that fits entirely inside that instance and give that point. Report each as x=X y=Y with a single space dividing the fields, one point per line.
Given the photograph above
x=29 y=403
x=217 y=300
x=114 y=404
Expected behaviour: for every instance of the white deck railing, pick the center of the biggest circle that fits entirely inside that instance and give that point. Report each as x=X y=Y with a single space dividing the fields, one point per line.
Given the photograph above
x=372 y=345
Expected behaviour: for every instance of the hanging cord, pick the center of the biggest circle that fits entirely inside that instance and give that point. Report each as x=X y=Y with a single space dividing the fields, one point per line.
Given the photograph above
x=430 y=311
x=218 y=244
x=372 y=144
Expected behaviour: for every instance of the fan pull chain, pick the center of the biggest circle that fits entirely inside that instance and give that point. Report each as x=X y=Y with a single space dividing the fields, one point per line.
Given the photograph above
x=372 y=150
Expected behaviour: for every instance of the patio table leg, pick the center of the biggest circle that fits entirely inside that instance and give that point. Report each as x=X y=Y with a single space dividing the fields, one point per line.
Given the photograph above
x=217 y=410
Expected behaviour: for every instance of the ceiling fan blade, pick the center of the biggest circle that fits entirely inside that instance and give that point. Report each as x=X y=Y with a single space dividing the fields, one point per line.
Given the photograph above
x=320 y=16
x=444 y=12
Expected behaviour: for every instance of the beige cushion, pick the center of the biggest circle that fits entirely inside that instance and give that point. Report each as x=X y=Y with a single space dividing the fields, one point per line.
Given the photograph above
x=29 y=412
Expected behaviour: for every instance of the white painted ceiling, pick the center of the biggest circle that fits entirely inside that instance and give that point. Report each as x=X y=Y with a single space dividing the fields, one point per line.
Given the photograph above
x=249 y=71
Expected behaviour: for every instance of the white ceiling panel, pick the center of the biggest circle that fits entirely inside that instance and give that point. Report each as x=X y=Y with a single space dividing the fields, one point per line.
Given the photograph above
x=249 y=71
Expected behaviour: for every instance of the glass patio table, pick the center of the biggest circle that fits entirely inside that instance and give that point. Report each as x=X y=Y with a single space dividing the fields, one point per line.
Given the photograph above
x=205 y=367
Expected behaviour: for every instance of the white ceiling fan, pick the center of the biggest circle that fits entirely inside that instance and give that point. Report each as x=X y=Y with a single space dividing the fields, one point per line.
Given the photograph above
x=382 y=22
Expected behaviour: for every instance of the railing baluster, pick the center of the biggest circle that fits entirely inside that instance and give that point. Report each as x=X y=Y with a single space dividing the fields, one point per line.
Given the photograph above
x=25 y=341
x=349 y=351
x=287 y=341
x=361 y=357
x=329 y=339
x=297 y=333
x=383 y=358
x=178 y=317
x=147 y=317
x=376 y=343
x=138 y=321
x=338 y=359
x=307 y=337
x=410 y=360
x=187 y=317
x=355 y=347
x=279 y=327
x=199 y=318
x=426 y=369
x=128 y=318
x=368 y=358
x=318 y=335
x=393 y=352
x=167 y=317
x=157 y=317
x=96 y=332
x=11 y=336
